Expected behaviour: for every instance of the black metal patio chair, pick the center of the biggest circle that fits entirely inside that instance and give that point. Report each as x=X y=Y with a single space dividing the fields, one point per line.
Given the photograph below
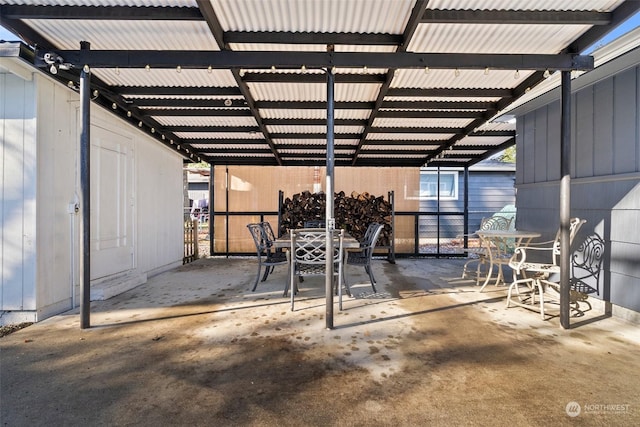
x=268 y=257
x=363 y=256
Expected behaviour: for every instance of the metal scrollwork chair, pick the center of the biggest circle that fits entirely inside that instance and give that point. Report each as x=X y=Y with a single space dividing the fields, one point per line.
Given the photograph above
x=308 y=256
x=531 y=278
x=586 y=266
x=363 y=256
x=263 y=238
x=482 y=255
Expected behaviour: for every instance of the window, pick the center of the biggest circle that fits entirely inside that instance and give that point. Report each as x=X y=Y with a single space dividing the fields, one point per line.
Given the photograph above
x=448 y=185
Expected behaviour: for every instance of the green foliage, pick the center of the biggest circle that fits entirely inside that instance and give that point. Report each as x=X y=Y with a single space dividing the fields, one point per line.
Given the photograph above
x=508 y=155
x=201 y=165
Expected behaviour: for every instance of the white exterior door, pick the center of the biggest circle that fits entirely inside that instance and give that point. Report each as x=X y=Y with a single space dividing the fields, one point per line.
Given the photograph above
x=112 y=203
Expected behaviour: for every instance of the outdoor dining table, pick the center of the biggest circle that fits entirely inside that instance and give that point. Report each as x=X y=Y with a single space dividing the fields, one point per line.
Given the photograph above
x=348 y=242
x=500 y=245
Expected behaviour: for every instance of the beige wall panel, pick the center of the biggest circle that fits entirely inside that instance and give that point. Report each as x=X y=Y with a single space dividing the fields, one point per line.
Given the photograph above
x=404 y=234
x=256 y=188
x=220 y=234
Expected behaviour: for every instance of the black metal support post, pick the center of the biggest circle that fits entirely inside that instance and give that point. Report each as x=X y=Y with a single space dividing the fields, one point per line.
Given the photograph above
x=212 y=195
x=330 y=222
x=465 y=220
x=85 y=193
x=227 y=181
x=565 y=197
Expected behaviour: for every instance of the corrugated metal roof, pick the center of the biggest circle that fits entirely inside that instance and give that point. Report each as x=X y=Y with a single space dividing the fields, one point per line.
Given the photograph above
x=127 y=35
x=315 y=16
x=393 y=107
x=313 y=92
x=482 y=38
x=600 y=5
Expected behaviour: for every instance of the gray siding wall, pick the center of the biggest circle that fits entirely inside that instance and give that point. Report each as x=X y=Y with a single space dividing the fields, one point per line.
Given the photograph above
x=489 y=192
x=605 y=168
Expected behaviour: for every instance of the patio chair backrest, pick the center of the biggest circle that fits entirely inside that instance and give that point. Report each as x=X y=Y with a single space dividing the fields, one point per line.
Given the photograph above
x=309 y=248
x=259 y=237
x=586 y=263
x=496 y=222
x=574 y=227
x=371 y=238
x=372 y=228
x=268 y=232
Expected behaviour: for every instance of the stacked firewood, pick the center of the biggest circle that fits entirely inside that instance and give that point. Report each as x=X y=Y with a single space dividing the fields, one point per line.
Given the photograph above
x=354 y=213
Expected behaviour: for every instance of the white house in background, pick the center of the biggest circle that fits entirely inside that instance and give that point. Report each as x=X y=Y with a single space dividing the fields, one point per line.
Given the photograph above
x=136 y=199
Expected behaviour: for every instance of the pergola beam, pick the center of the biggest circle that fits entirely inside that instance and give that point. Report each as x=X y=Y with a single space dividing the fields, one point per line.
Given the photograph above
x=170 y=59
x=429 y=16
x=120 y=13
x=514 y=17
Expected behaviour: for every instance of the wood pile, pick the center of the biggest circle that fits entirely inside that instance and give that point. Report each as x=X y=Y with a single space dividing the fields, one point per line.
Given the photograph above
x=354 y=213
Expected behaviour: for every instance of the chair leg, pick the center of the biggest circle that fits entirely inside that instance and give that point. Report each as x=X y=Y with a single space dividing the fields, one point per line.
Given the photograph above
x=267 y=270
x=466 y=266
x=516 y=286
x=292 y=290
x=339 y=290
x=541 y=293
x=369 y=270
x=346 y=284
x=255 y=285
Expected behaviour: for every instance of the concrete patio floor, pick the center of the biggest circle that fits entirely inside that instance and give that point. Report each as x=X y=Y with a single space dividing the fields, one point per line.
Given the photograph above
x=194 y=346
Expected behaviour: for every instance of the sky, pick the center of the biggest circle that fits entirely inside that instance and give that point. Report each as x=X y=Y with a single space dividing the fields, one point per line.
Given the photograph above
x=626 y=26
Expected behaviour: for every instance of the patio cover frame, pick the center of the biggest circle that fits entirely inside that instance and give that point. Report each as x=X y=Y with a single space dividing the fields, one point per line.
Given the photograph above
x=74 y=68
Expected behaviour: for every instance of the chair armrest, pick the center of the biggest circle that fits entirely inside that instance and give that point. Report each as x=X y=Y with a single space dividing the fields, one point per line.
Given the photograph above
x=535 y=244
x=519 y=257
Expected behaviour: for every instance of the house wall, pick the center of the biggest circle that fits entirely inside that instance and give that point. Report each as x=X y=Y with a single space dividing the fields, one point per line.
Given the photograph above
x=489 y=192
x=40 y=182
x=18 y=191
x=605 y=172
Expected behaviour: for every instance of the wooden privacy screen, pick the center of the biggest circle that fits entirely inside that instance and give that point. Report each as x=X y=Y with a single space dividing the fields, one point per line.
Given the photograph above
x=244 y=194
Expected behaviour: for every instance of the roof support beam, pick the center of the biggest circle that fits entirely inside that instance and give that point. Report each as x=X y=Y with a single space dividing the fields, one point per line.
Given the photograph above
x=176 y=91
x=120 y=13
x=197 y=112
x=284 y=37
x=310 y=77
x=294 y=60
x=318 y=135
x=313 y=122
x=497 y=17
x=451 y=92
x=429 y=114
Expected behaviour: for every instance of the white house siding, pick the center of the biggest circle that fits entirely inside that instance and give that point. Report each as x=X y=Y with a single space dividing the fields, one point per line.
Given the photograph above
x=18 y=193
x=40 y=180
x=605 y=172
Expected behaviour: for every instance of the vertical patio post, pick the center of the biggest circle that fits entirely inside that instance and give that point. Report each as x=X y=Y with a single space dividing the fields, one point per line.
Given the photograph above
x=330 y=220
x=212 y=194
x=85 y=193
x=565 y=197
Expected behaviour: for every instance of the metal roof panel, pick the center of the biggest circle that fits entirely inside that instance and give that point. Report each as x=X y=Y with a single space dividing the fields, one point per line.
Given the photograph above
x=127 y=35
x=365 y=16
